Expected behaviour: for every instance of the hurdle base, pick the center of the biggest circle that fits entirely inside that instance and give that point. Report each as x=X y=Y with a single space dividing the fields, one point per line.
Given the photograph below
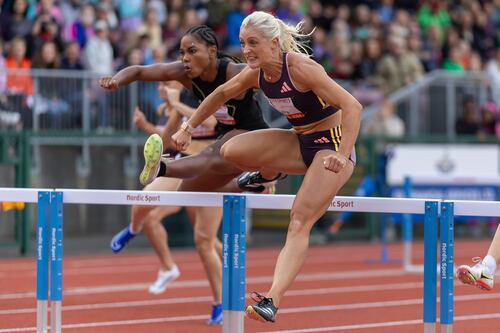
x=41 y=316
x=232 y=321
x=414 y=269
x=55 y=317
x=429 y=327
x=446 y=328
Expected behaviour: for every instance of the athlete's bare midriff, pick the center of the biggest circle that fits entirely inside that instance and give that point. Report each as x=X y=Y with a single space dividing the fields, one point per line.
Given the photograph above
x=321 y=125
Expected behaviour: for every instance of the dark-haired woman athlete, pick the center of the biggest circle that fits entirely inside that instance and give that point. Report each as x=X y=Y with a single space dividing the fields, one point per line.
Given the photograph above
x=202 y=69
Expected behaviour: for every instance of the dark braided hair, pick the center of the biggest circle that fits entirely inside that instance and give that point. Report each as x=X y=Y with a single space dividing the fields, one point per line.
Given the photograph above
x=207 y=35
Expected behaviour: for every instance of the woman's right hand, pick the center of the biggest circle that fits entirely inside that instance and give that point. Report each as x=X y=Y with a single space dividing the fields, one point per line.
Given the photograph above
x=181 y=140
x=108 y=83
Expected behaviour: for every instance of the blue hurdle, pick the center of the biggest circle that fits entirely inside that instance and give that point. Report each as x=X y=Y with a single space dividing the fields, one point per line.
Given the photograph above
x=50 y=245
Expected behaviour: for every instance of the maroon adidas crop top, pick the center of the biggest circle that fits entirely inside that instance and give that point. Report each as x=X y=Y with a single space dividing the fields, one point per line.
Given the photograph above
x=300 y=108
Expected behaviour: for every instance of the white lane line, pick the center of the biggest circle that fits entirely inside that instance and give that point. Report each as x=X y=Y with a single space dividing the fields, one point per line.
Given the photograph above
x=114 y=323
x=177 y=300
x=358 y=274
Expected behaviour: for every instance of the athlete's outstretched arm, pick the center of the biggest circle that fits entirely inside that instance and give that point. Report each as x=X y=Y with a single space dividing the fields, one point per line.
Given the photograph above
x=157 y=72
x=311 y=75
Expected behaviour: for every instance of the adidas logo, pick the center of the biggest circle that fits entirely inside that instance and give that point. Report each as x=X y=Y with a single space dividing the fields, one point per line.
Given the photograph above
x=285 y=88
x=322 y=140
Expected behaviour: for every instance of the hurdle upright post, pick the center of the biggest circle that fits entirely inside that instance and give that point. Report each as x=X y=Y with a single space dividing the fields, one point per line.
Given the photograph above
x=56 y=259
x=447 y=268
x=430 y=263
x=407 y=229
x=233 y=263
x=42 y=261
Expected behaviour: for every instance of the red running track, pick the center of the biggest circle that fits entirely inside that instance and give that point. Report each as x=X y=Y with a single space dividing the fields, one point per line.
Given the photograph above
x=336 y=291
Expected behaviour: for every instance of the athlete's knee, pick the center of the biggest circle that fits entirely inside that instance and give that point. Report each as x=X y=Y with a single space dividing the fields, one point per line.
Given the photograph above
x=229 y=152
x=203 y=241
x=301 y=221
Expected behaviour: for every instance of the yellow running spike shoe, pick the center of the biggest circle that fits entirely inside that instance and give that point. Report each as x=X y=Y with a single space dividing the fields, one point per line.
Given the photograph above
x=153 y=148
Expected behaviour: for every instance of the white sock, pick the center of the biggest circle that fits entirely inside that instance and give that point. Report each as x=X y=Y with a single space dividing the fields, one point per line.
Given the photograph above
x=132 y=231
x=491 y=263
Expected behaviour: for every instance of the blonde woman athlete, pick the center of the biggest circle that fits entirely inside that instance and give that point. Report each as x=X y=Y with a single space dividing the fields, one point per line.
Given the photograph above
x=325 y=120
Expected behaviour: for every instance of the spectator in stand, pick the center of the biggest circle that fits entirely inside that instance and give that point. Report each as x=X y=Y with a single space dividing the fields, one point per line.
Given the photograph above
x=386 y=122
x=152 y=28
x=16 y=23
x=72 y=90
x=49 y=98
x=468 y=124
x=215 y=14
x=454 y=63
x=71 y=59
x=47 y=57
x=386 y=11
x=190 y=20
x=233 y=22
x=493 y=73
x=361 y=28
x=475 y=62
x=99 y=60
x=3 y=77
x=159 y=55
x=69 y=11
x=289 y=12
x=3 y=17
x=373 y=50
x=19 y=83
x=432 y=54
x=45 y=29
x=105 y=12
x=488 y=123
x=144 y=44
x=399 y=67
x=171 y=33
x=98 y=51
x=434 y=13
x=160 y=9
x=268 y=6
x=130 y=13
x=47 y=7
x=83 y=29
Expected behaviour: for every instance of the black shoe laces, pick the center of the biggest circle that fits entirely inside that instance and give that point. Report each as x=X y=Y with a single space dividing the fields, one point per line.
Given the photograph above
x=261 y=300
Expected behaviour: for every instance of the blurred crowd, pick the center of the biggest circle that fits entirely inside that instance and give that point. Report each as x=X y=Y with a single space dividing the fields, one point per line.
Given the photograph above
x=377 y=46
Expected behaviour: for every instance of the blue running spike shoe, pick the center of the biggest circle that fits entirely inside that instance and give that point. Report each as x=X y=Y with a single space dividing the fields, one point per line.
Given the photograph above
x=216 y=316
x=253 y=181
x=153 y=149
x=263 y=311
x=121 y=239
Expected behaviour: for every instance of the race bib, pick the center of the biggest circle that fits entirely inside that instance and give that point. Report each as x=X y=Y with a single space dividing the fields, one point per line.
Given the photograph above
x=286 y=107
x=222 y=115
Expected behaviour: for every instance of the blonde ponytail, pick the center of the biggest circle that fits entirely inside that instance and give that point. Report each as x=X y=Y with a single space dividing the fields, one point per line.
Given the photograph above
x=289 y=37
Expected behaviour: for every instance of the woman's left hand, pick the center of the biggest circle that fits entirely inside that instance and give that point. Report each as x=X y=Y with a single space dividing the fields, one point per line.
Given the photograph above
x=335 y=162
